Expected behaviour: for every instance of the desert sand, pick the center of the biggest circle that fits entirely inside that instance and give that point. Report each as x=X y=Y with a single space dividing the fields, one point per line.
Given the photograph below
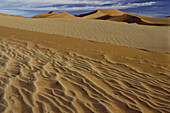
x=130 y=35
x=64 y=65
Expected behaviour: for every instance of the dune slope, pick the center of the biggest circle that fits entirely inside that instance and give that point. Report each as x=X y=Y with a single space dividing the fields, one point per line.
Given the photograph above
x=43 y=73
x=54 y=15
x=101 y=12
x=45 y=15
x=120 y=16
x=129 y=19
x=107 y=14
x=161 y=20
x=143 y=37
x=11 y=15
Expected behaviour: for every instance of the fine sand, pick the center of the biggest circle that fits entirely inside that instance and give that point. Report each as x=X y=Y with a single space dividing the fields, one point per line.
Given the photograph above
x=138 y=36
x=42 y=70
x=45 y=73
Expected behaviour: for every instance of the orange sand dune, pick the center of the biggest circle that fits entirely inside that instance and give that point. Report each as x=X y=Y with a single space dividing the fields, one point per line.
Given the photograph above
x=101 y=12
x=44 y=15
x=11 y=15
x=116 y=15
x=109 y=14
x=157 y=20
x=129 y=19
x=111 y=11
x=54 y=15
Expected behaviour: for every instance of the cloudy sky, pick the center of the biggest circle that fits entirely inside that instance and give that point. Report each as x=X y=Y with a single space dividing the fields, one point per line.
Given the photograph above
x=155 y=8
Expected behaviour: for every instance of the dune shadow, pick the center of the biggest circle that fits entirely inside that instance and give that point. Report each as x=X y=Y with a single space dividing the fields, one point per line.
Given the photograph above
x=129 y=19
x=86 y=14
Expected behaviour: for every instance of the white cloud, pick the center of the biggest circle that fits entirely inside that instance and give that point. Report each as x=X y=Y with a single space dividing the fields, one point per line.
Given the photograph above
x=22 y=7
x=142 y=4
x=33 y=3
x=38 y=3
x=93 y=7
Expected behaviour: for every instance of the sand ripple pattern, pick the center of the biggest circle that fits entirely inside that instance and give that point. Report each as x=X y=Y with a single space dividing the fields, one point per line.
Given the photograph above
x=137 y=36
x=38 y=80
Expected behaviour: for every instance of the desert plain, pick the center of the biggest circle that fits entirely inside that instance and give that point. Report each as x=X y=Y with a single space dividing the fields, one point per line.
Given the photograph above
x=106 y=61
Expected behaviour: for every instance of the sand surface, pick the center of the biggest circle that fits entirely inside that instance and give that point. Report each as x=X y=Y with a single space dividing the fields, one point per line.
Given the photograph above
x=63 y=65
x=138 y=36
x=44 y=73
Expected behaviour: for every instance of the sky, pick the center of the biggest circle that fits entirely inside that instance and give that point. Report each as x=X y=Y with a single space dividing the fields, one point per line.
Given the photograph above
x=28 y=8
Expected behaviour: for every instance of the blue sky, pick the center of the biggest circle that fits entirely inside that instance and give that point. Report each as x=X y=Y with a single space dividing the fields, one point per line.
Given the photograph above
x=154 y=8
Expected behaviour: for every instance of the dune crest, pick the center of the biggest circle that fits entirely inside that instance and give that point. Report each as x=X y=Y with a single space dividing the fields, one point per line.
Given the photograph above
x=11 y=15
x=111 y=11
x=129 y=19
x=120 y=16
x=44 y=15
x=108 y=14
x=54 y=15
x=102 y=12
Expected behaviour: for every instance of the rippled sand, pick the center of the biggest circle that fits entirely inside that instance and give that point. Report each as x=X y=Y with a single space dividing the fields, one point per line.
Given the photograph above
x=130 y=35
x=45 y=73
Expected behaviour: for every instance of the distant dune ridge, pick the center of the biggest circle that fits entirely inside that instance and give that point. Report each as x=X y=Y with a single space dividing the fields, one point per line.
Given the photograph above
x=111 y=15
x=116 y=15
x=60 y=63
x=11 y=15
x=45 y=15
x=54 y=15
x=130 y=19
x=130 y=35
x=108 y=14
x=101 y=12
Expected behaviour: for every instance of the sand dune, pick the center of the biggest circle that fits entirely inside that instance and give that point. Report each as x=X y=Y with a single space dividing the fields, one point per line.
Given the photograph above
x=44 y=73
x=161 y=20
x=11 y=15
x=120 y=16
x=108 y=14
x=45 y=15
x=101 y=12
x=123 y=18
x=130 y=19
x=54 y=15
x=42 y=70
x=143 y=37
